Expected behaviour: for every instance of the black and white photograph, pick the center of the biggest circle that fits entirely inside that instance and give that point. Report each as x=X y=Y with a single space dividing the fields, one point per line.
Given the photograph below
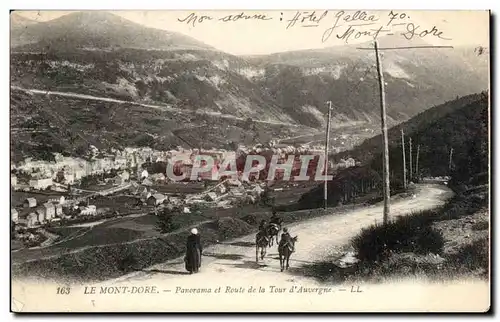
x=250 y=161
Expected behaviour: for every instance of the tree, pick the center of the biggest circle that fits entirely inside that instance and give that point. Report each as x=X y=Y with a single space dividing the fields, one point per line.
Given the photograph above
x=60 y=176
x=266 y=199
x=249 y=124
x=165 y=220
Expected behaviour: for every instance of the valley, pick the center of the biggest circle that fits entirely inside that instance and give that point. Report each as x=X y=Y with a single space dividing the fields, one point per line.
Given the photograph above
x=102 y=108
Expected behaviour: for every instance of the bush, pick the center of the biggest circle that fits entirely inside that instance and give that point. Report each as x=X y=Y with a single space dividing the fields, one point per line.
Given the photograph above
x=482 y=225
x=228 y=226
x=411 y=233
x=265 y=199
x=250 y=219
x=165 y=222
x=128 y=263
x=472 y=256
x=462 y=206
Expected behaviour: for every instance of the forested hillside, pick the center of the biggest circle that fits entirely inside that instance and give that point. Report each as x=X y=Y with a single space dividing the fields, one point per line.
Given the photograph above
x=461 y=125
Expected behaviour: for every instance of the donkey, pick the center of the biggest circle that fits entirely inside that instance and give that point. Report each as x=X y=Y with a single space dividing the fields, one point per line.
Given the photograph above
x=261 y=242
x=285 y=250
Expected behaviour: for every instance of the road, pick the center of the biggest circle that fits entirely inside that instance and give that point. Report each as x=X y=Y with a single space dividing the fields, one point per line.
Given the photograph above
x=158 y=107
x=231 y=266
x=317 y=238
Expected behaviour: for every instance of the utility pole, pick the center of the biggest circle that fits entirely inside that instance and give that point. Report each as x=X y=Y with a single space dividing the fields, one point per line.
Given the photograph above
x=411 y=162
x=404 y=157
x=383 y=115
x=416 y=161
x=451 y=156
x=326 y=151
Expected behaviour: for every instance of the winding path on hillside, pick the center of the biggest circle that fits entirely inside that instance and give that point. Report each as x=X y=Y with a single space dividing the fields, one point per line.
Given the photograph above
x=158 y=107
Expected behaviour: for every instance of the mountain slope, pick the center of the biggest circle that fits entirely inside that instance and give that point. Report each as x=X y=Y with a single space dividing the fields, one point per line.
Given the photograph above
x=97 y=30
x=45 y=124
x=101 y=54
x=18 y=21
x=208 y=81
x=461 y=124
x=416 y=79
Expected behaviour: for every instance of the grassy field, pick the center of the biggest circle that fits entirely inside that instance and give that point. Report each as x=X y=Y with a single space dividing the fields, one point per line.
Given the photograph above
x=66 y=232
x=130 y=228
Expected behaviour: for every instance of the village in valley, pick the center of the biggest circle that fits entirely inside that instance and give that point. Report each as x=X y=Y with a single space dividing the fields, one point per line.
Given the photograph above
x=76 y=192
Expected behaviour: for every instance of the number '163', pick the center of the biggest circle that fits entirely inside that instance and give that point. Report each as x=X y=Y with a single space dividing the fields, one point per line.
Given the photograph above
x=63 y=290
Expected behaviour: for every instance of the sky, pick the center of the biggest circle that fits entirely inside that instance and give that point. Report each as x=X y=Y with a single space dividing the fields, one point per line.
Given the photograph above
x=270 y=34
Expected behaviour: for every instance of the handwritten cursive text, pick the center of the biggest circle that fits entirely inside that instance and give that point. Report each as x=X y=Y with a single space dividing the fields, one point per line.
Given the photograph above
x=192 y=18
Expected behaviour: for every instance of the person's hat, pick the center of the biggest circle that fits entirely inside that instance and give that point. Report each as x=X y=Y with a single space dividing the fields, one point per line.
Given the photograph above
x=194 y=231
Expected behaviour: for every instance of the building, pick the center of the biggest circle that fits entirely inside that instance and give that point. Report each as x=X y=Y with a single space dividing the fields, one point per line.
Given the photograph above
x=140 y=191
x=120 y=162
x=90 y=210
x=211 y=196
x=69 y=178
x=29 y=203
x=156 y=199
x=125 y=175
x=40 y=215
x=145 y=194
x=40 y=184
x=50 y=211
x=212 y=175
x=31 y=220
x=233 y=182
x=79 y=173
x=59 y=211
x=13 y=182
x=118 y=180
x=350 y=162
x=157 y=177
x=14 y=215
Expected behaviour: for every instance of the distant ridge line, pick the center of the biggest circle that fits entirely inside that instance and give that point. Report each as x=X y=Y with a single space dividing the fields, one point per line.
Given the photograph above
x=408 y=47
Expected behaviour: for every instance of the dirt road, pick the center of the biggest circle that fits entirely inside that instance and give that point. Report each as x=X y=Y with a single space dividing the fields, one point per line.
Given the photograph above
x=230 y=279
x=317 y=238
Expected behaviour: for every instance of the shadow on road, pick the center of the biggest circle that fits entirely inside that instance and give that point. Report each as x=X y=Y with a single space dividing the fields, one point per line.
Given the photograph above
x=323 y=271
x=248 y=264
x=224 y=256
x=240 y=243
x=170 y=272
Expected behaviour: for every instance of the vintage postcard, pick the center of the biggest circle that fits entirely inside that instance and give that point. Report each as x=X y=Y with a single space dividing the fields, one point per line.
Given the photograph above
x=250 y=161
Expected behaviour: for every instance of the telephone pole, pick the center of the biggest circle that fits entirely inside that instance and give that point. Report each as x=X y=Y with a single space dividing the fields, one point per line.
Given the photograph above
x=326 y=151
x=411 y=161
x=416 y=162
x=386 y=182
x=451 y=156
x=404 y=157
x=383 y=115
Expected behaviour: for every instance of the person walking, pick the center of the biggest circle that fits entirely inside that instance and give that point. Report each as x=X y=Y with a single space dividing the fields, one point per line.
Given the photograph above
x=193 y=252
x=263 y=225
